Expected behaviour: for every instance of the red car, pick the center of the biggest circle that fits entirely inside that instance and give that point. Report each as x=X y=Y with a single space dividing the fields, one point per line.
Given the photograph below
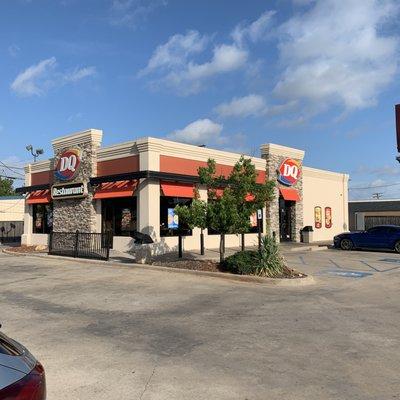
x=22 y=377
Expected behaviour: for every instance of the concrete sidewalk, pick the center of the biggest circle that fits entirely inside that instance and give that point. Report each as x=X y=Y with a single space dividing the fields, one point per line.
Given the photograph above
x=213 y=254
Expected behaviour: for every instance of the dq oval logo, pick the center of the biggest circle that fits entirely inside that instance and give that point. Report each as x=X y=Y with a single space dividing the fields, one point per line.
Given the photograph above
x=289 y=172
x=68 y=165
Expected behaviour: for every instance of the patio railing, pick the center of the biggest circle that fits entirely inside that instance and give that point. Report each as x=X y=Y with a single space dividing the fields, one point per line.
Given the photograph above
x=80 y=245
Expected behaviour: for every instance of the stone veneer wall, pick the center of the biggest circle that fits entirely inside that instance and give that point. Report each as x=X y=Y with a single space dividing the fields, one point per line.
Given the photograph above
x=272 y=210
x=77 y=214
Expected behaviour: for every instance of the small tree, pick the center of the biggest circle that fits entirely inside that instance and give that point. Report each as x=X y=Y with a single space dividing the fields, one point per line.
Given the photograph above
x=6 y=187
x=231 y=200
x=195 y=216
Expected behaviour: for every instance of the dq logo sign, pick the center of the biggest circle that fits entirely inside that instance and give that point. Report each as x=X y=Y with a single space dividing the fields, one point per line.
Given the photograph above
x=289 y=172
x=68 y=165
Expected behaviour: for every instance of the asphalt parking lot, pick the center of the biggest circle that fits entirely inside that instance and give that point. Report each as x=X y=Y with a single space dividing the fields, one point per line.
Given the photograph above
x=107 y=332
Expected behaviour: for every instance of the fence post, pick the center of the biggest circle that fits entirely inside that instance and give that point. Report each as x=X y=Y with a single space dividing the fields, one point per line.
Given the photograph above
x=76 y=244
x=180 y=246
x=108 y=241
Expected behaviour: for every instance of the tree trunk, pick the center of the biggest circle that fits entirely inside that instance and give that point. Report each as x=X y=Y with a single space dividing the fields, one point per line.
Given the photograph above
x=202 y=242
x=222 y=248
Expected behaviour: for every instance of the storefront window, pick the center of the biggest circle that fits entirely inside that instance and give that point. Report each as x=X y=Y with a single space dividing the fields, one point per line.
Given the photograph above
x=253 y=227
x=119 y=216
x=169 y=222
x=42 y=218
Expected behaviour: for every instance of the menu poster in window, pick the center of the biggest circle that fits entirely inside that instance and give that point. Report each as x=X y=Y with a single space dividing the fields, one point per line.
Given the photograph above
x=328 y=217
x=126 y=217
x=253 y=220
x=38 y=222
x=173 y=219
x=318 y=217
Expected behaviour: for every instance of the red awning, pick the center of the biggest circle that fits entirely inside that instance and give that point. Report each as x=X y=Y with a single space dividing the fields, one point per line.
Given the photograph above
x=174 y=189
x=110 y=190
x=249 y=197
x=39 y=197
x=290 y=194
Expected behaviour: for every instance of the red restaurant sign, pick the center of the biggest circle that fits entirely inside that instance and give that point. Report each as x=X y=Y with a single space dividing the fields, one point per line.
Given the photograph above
x=68 y=165
x=289 y=172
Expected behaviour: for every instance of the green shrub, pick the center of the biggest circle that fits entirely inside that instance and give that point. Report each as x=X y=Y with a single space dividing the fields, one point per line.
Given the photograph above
x=242 y=262
x=267 y=262
x=272 y=263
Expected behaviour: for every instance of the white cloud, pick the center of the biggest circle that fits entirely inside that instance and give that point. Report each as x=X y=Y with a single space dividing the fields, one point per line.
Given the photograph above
x=335 y=53
x=255 y=31
x=250 y=105
x=176 y=51
x=131 y=12
x=79 y=73
x=201 y=131
x=173 y=64
x=37 y=79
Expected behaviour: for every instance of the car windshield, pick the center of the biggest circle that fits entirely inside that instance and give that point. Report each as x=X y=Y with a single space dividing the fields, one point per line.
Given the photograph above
x=6 y=347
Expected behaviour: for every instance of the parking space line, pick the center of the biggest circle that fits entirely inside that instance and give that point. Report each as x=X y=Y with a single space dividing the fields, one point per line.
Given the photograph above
x=302 y=260
x=370 y=266
x=335 y=264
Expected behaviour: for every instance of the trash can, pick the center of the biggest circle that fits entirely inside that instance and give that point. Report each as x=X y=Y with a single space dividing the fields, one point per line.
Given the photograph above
x=307 y=234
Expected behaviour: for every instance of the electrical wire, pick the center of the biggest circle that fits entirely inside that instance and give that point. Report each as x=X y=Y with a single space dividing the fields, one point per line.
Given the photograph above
x=10 y=168
x=374 y=187
x=14 y=178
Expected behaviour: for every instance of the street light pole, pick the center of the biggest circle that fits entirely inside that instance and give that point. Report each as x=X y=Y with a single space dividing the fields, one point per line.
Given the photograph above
x=35 y=153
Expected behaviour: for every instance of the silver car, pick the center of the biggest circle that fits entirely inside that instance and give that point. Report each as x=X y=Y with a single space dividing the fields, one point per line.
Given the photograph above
x=22 y=377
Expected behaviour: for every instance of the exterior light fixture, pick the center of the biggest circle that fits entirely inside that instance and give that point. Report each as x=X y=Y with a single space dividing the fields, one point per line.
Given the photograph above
x=35 y=153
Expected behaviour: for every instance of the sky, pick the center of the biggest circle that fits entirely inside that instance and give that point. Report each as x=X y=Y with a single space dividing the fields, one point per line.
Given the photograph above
x=319 y=75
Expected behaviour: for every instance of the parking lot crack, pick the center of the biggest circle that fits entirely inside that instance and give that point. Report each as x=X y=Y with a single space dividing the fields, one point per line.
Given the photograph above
x=148 y=382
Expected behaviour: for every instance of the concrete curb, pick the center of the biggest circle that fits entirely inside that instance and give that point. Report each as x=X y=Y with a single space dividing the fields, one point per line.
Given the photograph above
x=307 y=249
x=295 y=282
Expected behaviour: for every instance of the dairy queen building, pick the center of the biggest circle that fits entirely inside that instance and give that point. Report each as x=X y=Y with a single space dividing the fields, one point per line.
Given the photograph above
x=134 y=186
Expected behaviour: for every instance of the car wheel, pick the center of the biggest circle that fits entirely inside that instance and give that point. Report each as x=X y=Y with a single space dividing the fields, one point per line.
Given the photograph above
x=397 y=247
x=347 y=244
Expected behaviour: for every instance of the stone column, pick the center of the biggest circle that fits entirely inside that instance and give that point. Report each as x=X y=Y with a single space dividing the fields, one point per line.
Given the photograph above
x=274 y=156
x=78 y=214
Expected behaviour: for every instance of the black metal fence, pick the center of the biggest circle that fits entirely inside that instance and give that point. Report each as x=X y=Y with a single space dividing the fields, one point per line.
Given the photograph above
x=80 y=245
x=11 y=231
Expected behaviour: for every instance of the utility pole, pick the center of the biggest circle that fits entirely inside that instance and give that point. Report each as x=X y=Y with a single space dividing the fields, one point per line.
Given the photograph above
x=377 y=196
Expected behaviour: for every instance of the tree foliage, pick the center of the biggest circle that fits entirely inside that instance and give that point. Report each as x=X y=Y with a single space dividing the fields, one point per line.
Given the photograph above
x=231 y=200
x=6 y=187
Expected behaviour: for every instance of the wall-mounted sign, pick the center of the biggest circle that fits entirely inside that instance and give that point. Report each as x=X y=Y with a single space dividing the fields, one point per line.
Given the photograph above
x=68 y=191
x=318 y=217
x=289 y=172
x=68 y=165
x=253 y=220
x=328 y=217
x=173 y=219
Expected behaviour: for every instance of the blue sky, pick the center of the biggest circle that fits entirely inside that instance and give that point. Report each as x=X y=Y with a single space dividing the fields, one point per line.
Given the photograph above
x=317 y=75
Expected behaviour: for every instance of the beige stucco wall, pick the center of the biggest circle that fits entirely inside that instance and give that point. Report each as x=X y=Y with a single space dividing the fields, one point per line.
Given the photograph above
x=325 y=189
x=12 y=209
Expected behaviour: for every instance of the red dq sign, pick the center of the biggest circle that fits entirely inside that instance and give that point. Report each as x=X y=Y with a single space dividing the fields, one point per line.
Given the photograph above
x=68 y=165
x=289 y=172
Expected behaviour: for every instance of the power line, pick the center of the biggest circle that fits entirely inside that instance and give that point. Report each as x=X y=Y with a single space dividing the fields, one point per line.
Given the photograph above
x=14 y=178
x=374 y=187
x=11 y=169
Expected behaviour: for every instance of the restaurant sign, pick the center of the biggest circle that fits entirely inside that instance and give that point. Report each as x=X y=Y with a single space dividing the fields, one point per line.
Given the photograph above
x=289 y=172
x=68 y=191
x=68 y=165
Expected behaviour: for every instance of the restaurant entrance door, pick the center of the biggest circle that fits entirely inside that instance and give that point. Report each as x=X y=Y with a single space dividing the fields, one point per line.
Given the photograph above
x=285 y=219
